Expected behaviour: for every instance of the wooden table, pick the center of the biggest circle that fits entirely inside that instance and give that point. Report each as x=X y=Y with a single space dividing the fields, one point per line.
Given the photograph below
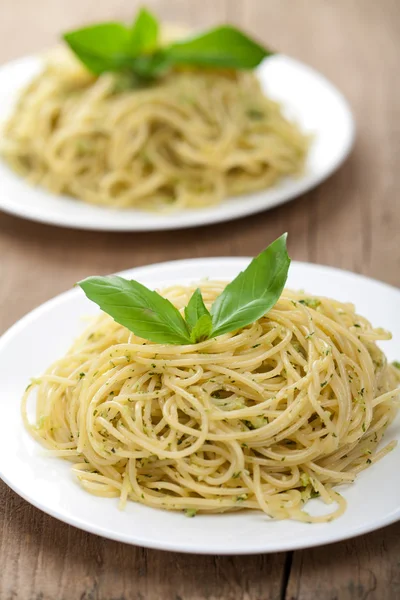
x=350 y=221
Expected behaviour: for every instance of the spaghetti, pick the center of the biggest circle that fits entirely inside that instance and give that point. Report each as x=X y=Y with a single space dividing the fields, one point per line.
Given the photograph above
x=262 y=418
x=186 y=141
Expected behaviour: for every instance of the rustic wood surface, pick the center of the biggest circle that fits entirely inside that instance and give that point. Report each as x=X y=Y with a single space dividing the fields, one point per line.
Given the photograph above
x=350 y=221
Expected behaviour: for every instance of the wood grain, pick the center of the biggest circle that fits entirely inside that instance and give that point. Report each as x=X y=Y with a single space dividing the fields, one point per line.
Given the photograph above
x=350 y=221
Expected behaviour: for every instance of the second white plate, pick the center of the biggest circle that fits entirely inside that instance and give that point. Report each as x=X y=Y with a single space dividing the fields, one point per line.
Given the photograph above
x=307 y=97
x=38 y=339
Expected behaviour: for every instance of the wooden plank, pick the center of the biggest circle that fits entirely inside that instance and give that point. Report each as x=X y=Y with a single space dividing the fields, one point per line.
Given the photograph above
x=44 y=559
x=366 y=568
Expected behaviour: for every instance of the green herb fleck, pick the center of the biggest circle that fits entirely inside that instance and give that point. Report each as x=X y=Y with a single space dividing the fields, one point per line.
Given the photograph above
x=255 y=114
x=241 y=498
x=311 y=302
x=305 y=480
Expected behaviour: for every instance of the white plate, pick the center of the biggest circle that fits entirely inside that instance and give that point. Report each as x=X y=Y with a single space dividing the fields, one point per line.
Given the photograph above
x=307 y=97
x=46 y=333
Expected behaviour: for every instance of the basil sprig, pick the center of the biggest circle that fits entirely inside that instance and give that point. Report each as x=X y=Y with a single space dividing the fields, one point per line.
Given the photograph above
x=152 y=317
x=136 y=49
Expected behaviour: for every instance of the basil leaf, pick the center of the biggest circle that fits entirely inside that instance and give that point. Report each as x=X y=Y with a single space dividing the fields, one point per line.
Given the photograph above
x=100 y=47
x=254 y=291
x=198 y=318
x=143 y=34
x=141 y=310
x=202 y=329
x=224 y=47
x=195 y=309
x=149 y=66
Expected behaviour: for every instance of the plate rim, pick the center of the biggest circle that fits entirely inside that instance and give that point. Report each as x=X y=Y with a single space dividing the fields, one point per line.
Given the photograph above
x=200 y=217
x=287 y=545
x=170 y=264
